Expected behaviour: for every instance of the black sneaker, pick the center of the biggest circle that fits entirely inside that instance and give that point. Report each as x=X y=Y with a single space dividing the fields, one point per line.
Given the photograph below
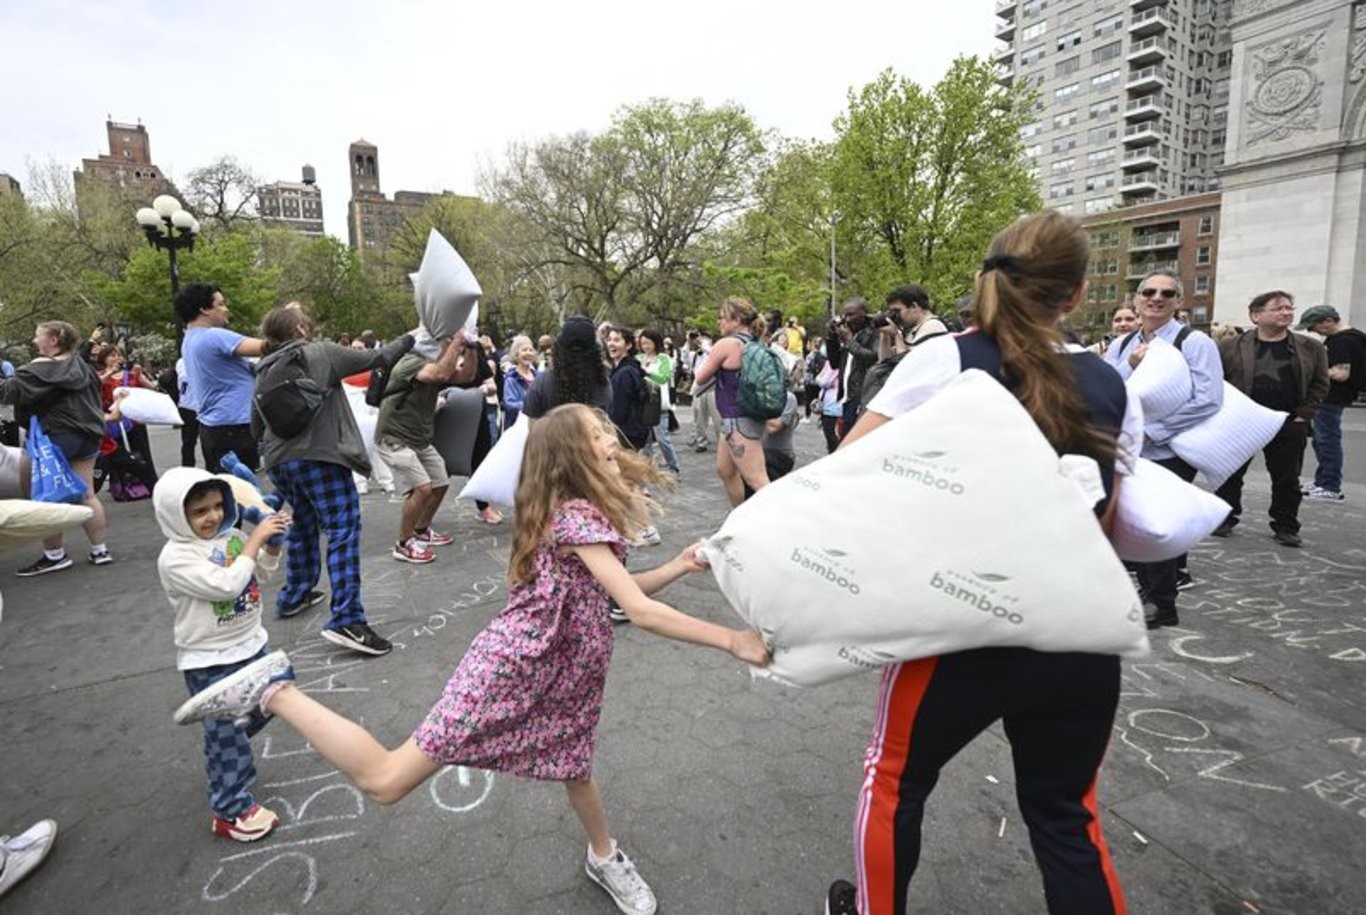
x=617 y=615
x=43 y=566
x=358 y=637
x=1287 y=538
x=841 y=899
x=1163 y=617
x=102 y=558
x=312 y=600
x=1184 y=580
x=1226 y=528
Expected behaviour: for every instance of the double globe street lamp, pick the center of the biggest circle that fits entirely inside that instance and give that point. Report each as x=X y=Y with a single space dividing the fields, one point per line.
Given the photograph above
x=170 y=228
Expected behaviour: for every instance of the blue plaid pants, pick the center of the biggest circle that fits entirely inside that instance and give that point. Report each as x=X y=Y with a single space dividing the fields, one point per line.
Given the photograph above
x=322 y=496
x=227 y=747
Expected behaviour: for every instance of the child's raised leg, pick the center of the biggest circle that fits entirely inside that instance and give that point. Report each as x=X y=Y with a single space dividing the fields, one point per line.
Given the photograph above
x=385 y=775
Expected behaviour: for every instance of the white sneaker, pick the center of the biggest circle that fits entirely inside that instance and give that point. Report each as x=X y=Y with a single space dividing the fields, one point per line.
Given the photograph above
x=618 y=876
x=1318 y=494
x=648 y=537
x=237 y=694
x=24 y=852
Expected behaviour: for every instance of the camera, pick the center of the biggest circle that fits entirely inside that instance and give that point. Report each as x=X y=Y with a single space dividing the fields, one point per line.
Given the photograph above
x=879 y=320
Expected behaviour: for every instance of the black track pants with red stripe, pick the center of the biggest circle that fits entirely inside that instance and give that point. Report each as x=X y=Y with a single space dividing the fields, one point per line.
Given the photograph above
x=1058 y=710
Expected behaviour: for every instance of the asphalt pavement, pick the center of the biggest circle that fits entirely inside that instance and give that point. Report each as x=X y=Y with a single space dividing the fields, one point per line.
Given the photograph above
x=1235 y=781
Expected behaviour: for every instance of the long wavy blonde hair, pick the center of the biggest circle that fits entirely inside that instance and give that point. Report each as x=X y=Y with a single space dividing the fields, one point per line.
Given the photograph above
x=558 y=465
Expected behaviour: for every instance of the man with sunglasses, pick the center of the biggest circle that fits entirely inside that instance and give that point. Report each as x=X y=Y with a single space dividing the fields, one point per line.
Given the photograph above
x=1156 y=303
x=1284 y=371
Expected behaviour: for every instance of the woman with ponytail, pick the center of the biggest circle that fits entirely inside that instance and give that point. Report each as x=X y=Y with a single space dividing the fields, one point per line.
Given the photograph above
x=739 y=454
x=1057 y=707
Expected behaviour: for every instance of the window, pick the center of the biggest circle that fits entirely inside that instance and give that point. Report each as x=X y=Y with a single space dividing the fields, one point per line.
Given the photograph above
x=1063 y=93
x=1033 y=7
x=1065 y=119
x=1108 y=26
x=1105 y=80
x=1224 y=59
x=1105 y=238
x=1065 y=143
x=1100 y=182
x=1100 y=158
x=1063 y=189
x=1100 y=135
x=1063 y=166
x=1202 y=256
x=1100 y=205
x=1202 y=285
x=1206 y=225
x=1070 y=40
x=1031 y=56
x=1033 y=152
x=1066 y=67
x=1031 y=129
x=1104 y=108
x=1034 y=31
x=1107 y=52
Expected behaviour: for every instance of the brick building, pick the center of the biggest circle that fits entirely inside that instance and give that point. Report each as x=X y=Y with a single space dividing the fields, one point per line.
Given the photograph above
x=1181 y=235
x=371 y=218
x=127 y=167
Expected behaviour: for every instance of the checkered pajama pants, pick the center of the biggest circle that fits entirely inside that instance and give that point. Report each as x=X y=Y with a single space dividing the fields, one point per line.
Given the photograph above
x=227 y=747
x=322 y=496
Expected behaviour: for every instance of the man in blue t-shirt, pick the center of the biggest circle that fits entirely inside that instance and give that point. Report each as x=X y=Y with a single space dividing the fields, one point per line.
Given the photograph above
x=218 y=372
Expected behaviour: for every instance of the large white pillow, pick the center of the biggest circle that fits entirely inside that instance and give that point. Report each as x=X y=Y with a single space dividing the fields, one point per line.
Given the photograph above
x=1160 y=516
x=366 y=415
x=1162 y=380
x=444 y=287
x=1230 y=438
x=496 y=479
x=22 y=520
x=972 y=537
x=143 y=405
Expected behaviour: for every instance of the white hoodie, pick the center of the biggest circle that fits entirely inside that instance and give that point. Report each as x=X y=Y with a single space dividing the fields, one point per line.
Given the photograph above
x=212 y=587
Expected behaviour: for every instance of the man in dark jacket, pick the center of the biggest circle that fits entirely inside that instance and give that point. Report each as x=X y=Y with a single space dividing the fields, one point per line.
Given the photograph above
x=1283 y=371
x=852 y=346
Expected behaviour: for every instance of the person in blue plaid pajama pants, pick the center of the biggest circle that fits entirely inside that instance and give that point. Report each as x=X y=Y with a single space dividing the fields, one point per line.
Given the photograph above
x=227 y=746
x=322 y=495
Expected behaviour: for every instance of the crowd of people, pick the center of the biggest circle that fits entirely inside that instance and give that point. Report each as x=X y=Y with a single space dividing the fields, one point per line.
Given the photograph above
x=600 y=401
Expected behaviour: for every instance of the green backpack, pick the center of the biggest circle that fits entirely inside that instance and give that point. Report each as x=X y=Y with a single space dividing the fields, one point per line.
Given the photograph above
x=763 y=381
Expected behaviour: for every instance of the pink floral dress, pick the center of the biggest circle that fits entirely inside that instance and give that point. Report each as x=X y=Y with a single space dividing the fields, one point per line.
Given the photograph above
x=526 y=697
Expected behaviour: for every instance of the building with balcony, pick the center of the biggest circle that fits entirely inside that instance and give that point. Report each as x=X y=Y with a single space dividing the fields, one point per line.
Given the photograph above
x=1133 y=96
x=1181 y=235
x=296 y=205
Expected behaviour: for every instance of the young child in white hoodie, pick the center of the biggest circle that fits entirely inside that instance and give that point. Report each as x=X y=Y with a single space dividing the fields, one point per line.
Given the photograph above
x=209 y=571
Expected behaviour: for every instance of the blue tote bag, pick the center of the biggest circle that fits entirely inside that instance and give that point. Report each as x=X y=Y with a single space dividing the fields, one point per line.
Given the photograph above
x=53 y=478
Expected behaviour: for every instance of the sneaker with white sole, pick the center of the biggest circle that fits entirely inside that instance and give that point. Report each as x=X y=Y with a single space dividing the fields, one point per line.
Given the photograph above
x=618 y=876
x=102 y=558
x=311 y=600
x=841 y=899
x=433 y=537
x=257 y=823
x=358 y=637
x=43 y=566
x=1319 y=494
x=414 y=551
x=237 y=694
x=22 y=853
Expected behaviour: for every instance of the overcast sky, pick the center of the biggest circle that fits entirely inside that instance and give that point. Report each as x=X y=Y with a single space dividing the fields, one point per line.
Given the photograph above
x=440 y=87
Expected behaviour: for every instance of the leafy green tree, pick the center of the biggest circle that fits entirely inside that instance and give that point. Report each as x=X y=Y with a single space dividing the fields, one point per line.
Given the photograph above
x=923 y=179
x=222 y=194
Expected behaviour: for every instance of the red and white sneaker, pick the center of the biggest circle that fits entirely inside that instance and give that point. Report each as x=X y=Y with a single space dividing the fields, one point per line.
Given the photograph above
x=256 y=823
x=414 y=551
x=433 y=537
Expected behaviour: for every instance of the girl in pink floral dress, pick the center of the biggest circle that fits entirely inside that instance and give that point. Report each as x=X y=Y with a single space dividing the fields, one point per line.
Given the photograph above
x=527 y=696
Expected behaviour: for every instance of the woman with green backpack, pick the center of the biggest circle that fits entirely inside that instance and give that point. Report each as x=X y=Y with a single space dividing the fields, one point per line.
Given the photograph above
x=741 y=461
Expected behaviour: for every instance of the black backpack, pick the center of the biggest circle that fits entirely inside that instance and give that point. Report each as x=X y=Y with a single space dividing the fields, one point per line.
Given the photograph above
x=285 y=396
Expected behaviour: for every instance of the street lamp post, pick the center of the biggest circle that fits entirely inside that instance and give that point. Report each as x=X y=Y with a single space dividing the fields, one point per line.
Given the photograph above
x=171 y=229
x=835 y=218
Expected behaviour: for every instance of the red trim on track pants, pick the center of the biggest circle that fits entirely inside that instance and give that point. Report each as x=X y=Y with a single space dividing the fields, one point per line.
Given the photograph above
x=1058 y=710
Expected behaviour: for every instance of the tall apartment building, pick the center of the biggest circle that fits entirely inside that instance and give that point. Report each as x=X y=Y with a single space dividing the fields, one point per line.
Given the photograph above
x=371 y=218
x=1133 y=96
x=296 y=205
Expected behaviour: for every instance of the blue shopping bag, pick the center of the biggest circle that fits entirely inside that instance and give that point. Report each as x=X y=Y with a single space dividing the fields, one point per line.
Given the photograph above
x=53 y=478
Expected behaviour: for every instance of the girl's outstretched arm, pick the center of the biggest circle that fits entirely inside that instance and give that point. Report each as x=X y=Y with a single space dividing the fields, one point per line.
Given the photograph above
x=655 y=616
x=651 y=580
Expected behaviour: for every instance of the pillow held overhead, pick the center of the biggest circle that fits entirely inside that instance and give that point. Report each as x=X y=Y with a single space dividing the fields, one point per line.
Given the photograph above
x=444 y=288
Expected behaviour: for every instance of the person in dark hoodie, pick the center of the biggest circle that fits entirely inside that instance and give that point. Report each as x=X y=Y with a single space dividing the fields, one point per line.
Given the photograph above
x=63 y=391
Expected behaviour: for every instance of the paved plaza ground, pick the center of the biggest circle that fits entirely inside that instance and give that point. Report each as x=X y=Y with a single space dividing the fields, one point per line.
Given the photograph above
x=1235 y=780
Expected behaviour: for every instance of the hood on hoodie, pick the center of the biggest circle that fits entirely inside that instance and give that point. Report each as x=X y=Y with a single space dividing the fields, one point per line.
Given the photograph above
x=169 y=499
x=71 y=374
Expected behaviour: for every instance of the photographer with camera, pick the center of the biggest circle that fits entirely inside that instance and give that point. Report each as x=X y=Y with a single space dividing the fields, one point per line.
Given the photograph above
x=851 y=344
x=909 y=320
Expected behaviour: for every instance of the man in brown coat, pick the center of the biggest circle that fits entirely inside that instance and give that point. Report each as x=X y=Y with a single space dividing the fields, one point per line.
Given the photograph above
x=1284 y=371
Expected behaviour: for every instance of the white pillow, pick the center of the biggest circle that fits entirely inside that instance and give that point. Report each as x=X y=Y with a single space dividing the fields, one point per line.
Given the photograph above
x=1162 y=380
x=1160 y=516
x=366 y=415
x=444 y=287
x=143 y=405
x=972 y=537
x=1230 y=438
x=497 y=477
x=22 y=520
